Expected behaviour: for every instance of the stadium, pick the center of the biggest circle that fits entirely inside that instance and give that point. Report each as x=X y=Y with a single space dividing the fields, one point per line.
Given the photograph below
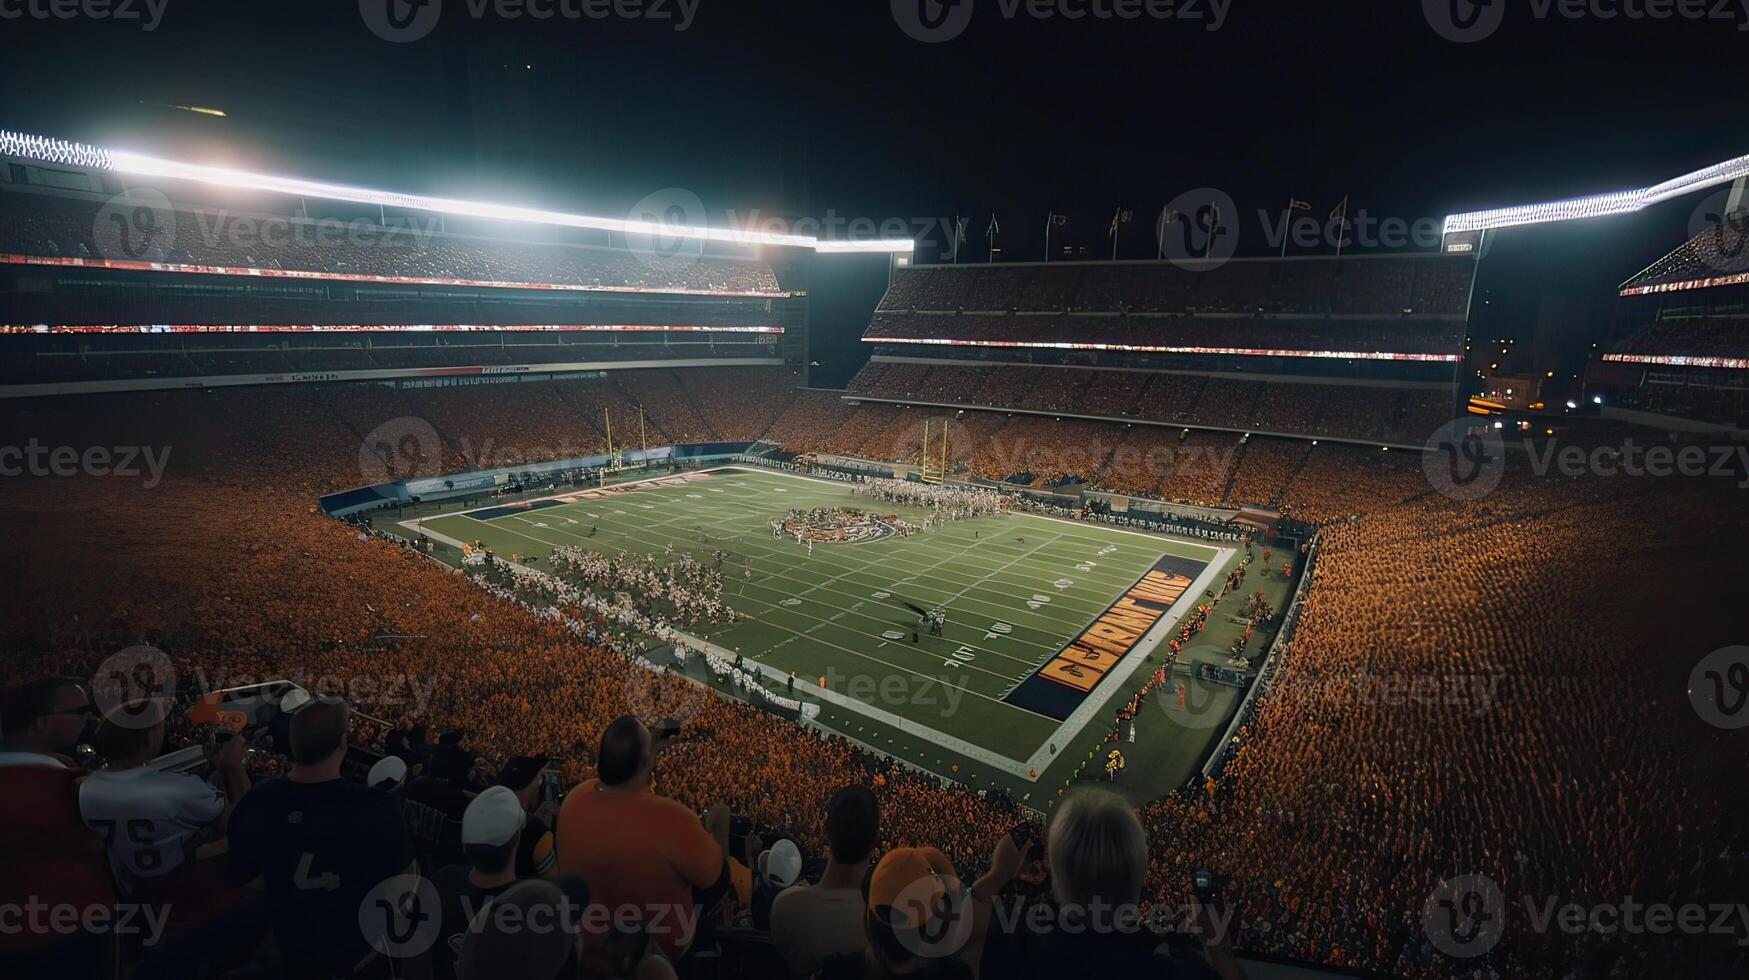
x=374 y=550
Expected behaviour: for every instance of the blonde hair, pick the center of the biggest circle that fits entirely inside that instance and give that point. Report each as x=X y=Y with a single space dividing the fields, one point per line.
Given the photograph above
x=1097 y=850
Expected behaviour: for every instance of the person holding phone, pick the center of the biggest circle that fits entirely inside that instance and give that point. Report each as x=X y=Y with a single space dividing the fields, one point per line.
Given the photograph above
x=1097 y=854
x=532 y=780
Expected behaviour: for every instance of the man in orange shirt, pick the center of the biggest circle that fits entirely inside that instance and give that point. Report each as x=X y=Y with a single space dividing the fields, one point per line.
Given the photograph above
x=649 y=862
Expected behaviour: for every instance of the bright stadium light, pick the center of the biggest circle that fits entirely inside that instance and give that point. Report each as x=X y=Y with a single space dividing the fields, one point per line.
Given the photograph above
x=127 y=162
x=1599 y=205
x=141 y=165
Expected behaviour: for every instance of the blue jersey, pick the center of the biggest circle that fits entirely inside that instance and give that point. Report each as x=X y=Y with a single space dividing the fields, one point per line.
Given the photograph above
x=321 y=848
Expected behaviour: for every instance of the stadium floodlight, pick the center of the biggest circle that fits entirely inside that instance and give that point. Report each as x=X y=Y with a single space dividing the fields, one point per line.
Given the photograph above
x=65 y=152
x=902 y=246
x=1600 y=205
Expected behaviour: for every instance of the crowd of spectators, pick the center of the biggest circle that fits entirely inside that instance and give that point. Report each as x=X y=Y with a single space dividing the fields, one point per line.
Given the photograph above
x=1393 y=286
x=1699 y=337
x=1403 y=415
x=1715 y=252
x=66 y=227
x=1558 y=757
x=1304 y=337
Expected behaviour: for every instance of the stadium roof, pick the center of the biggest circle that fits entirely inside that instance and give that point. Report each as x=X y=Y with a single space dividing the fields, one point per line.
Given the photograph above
x=56 y=151
x=1600 y=205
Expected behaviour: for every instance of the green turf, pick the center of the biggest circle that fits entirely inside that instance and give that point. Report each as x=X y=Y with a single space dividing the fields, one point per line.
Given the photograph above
x=824 y=615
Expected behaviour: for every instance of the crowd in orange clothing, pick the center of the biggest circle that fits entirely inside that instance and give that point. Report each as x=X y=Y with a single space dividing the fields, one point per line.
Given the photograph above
x=1554 y=752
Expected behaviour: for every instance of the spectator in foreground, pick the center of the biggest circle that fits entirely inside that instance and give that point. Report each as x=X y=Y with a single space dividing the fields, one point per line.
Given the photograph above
x=1098 y=857
x=492 y=828
x=152 y=818
x=915 y=923
x=508 y=938
x=320 y=844
x=523 y=775
x=812 y=922
x=47 y=854
x=643 y=855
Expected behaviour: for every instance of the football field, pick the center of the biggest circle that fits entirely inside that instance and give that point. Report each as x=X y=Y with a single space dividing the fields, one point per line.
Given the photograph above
x=1049 y=621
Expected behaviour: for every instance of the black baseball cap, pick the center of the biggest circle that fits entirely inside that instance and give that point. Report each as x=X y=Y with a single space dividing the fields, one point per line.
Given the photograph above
x=520 y=771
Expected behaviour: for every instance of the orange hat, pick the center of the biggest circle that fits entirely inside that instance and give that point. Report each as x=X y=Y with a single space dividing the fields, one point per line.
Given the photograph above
x=896 y=884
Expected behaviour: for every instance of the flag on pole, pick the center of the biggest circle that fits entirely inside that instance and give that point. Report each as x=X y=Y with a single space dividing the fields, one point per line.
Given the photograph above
x=1120 y=217
x=1295 y=204
x=1340 y=211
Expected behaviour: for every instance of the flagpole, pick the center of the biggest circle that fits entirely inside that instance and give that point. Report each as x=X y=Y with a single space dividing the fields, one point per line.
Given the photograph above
x=1050 y=219
x=1160 y=235
x=1342 y=227
x=1287 y=220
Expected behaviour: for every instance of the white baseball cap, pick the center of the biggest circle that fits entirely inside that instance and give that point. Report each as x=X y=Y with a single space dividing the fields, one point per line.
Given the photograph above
x=389 y=769
x=781 y=865
x=493 y=818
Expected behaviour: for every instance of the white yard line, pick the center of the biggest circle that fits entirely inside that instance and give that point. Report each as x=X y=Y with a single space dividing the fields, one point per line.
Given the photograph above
x=1091 y=706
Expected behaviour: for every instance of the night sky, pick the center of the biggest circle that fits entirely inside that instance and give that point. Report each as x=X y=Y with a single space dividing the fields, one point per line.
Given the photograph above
x=831 y=107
